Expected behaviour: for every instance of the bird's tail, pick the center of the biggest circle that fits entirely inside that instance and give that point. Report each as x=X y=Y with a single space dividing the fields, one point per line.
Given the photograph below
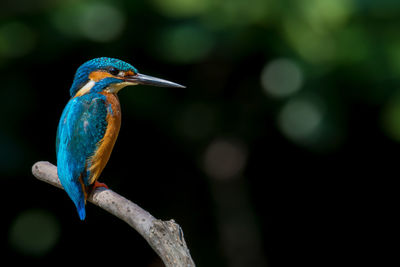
x=80 y=205
x=81 y=202
x=81 y=210
x=77 y=194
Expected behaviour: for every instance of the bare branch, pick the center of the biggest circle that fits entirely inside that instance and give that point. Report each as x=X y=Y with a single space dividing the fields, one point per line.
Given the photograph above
x=165 y=237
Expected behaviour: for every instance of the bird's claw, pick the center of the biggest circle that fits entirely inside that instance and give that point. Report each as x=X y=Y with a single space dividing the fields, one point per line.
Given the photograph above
x=98 y=184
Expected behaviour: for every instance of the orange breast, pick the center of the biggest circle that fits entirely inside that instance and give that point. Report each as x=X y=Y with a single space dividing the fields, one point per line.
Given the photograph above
x=100 y=158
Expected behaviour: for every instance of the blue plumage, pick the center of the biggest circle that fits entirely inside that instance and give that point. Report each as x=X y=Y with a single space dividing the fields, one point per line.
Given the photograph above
x=90 y=123
x=82 y=125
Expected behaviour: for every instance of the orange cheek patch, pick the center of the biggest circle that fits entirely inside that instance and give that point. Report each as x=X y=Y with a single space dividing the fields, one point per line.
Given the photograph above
x=129 y=73
x=99 y=75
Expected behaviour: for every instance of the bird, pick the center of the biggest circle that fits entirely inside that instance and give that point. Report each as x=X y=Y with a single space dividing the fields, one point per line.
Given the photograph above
x=90 y=123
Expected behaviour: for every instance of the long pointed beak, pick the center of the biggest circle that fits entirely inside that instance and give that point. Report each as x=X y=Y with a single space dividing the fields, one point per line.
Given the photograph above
x=149 y=80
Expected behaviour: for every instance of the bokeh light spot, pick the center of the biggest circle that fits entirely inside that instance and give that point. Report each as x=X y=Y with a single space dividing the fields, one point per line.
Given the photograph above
x=34 y=232
x=101 y=22
x=327 y=14
x=281 y=77
x=314 y=46
x=224 y=159
x=16 y=39
x=299 y=119
x=184 y=44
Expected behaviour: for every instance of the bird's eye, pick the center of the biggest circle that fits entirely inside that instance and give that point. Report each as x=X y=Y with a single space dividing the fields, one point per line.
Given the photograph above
x=113 y=71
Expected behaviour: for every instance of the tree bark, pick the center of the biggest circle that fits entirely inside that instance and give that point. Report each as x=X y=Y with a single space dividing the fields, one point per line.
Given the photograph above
x=165 y=237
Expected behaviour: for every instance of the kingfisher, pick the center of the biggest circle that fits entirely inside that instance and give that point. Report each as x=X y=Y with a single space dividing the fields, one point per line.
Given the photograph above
x=90 y=123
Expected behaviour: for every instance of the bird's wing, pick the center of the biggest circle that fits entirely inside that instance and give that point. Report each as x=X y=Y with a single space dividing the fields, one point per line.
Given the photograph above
x=81 y=127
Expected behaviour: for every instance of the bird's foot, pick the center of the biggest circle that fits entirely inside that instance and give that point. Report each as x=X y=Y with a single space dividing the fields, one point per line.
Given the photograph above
x=98 y=184
x=91 y=188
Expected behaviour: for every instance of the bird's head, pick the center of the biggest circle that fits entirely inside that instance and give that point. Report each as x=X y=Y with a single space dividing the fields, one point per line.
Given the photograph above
x=111 y=75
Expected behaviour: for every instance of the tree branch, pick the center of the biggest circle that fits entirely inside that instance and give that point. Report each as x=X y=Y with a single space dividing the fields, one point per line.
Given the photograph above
x=165 y=237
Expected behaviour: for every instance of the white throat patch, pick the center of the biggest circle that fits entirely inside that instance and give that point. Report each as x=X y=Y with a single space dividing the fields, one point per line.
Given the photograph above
x=85 y=89
x=114 y=88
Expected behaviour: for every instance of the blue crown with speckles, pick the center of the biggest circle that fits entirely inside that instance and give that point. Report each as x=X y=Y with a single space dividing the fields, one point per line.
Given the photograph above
x=82 y=74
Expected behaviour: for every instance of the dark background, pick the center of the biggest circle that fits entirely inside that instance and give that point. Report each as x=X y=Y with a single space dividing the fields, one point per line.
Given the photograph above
x=280 y=151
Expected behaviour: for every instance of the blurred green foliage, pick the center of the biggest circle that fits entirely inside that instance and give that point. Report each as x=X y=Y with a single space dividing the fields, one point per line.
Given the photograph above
x=295 y=87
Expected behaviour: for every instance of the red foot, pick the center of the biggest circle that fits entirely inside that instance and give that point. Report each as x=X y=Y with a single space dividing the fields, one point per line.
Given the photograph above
x=98 y=184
